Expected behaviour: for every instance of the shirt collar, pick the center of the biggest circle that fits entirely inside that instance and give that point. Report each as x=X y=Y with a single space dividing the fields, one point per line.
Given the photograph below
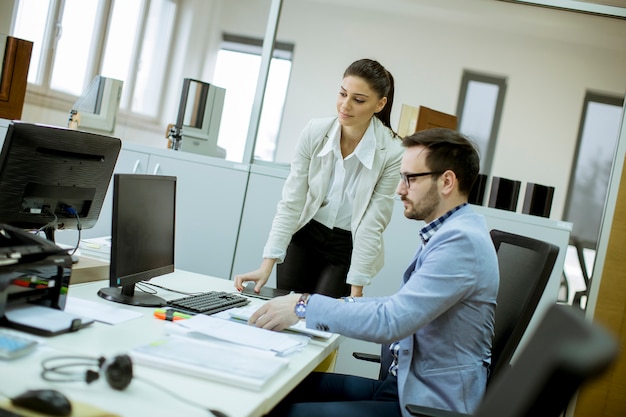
x=365 y=150
x=429 y=230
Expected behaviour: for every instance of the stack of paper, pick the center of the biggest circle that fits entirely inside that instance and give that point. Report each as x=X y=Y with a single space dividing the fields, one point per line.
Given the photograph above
x=44 y=320
x=222 y=362
x=203 y=327
x=97 y=247
x=244 y=313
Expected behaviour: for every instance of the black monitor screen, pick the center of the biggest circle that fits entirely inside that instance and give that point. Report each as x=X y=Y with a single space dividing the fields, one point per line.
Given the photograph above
x=142 y=235
x=54 y=178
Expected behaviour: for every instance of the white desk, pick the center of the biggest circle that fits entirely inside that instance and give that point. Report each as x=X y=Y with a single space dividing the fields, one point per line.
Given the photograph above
x=141 y=398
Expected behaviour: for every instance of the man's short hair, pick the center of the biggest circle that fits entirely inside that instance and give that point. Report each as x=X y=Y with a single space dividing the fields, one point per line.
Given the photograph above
x=448 y=150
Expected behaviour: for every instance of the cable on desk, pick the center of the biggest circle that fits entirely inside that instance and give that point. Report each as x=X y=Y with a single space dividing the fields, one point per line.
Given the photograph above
x=144 y=287
x=117 y=371
x=150 y=382
x=151 y=284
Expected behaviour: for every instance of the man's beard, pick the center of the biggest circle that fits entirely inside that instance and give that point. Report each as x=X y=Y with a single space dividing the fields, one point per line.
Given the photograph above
x=424 y=207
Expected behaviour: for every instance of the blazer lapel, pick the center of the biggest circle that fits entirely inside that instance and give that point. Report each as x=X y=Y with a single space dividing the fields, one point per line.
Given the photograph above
x=367 y=183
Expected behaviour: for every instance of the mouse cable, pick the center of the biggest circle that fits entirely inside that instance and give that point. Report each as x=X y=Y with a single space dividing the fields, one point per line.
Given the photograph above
x=214 y=412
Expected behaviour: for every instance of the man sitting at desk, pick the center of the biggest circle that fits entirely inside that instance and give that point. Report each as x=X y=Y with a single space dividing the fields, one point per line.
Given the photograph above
x=442 y=317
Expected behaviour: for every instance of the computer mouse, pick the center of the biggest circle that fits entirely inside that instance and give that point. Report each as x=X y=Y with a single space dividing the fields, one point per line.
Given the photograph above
x=46 y=401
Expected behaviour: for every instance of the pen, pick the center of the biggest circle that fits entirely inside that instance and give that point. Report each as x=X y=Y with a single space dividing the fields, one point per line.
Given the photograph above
x=170 y=315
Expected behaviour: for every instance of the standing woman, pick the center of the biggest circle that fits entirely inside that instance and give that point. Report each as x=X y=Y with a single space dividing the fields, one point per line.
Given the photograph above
x=326 y=236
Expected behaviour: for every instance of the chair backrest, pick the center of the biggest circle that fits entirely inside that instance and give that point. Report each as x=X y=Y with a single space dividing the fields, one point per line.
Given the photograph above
x=525 y=267
x=563 y=352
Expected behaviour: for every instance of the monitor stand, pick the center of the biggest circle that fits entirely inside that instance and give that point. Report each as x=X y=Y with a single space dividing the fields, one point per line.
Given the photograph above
x=127 y=295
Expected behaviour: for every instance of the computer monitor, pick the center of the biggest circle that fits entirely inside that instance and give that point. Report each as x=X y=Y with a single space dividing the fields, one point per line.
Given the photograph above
x=54 y=178
x=142 y=236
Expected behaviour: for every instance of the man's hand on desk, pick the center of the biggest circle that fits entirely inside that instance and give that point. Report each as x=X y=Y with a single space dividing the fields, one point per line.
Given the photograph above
x=277 y=313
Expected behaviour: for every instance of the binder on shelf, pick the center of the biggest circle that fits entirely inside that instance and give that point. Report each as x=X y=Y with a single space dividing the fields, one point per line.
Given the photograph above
x=504 y=193
x=538 y=200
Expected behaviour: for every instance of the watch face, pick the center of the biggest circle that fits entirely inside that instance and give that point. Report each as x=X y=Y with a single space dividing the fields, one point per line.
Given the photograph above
x=300 y=310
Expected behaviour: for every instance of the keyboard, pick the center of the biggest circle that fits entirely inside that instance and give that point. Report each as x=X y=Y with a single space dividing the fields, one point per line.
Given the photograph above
x=208 y=303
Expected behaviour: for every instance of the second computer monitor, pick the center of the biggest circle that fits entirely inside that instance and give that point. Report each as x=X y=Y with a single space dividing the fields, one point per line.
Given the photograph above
x=142 y=236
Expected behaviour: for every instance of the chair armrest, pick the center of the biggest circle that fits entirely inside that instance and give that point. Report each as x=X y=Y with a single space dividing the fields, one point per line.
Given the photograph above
x=420 y=411
x=369 y=357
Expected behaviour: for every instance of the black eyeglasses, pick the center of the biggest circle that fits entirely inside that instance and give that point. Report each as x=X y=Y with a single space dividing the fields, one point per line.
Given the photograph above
x=406 y=178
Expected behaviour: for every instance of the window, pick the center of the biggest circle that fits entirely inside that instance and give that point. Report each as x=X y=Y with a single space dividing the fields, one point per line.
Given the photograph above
x=597 y=139
x=479 y=110
x=589 y=182
x=76 y=40
x=244 y=54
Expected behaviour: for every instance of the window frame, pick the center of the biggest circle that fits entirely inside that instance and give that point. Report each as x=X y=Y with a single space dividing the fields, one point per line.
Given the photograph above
x=40 y=92
x=254 y=46
x=501 y=83
x=590 y=97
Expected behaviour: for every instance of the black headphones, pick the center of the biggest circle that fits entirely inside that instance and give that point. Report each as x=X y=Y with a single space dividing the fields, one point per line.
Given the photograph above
x=118 y=371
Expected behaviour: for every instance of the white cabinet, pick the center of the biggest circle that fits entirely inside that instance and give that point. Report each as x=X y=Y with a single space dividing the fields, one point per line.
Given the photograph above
x=264 y=192
x=128 y=162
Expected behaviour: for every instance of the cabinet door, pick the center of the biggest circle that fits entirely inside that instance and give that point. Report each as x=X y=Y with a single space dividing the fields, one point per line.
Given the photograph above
x=264 y=192
x=132 y=162
x=128 y=162
x=209 y=201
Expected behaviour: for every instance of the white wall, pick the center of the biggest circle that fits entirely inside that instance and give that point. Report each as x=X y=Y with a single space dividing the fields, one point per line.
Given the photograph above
x=550 y=58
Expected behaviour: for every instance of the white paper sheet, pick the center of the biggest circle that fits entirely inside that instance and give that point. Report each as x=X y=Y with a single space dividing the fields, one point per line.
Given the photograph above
x=215 y=360
x=45 y=318
x=244 y=313
x=242 y=334
x=109 y=314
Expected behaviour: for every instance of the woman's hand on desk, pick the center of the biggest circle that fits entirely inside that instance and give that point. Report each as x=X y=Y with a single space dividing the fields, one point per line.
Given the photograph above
x=277 y=313
x=259 y=276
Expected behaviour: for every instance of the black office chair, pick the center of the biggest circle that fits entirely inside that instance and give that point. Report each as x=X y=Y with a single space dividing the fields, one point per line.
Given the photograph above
x=525 y=267
x=563 y=353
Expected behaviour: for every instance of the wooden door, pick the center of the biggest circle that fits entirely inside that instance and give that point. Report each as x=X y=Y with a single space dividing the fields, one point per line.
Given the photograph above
x=13 y=77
